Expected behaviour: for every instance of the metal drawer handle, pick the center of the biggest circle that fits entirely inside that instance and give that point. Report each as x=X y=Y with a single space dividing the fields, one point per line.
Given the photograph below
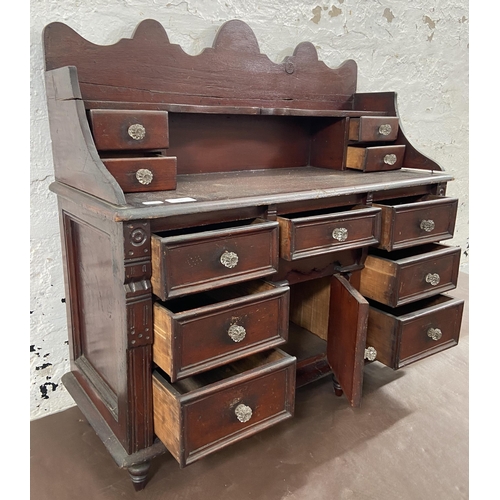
x=432 y=278
x=434 y=333
x=137 y=131
x=144 y=176
x=390 y=159
x=340 y=234
x=229 y=259
x=427 y=225
x=243 y=412
x=371 y=353
x=385 y=129
x=237 y=333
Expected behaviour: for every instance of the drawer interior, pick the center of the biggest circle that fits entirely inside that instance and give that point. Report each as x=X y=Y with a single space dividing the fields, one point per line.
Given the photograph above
x=208 y=227
x=414 y=307
x=408 y=253
x=225 y=372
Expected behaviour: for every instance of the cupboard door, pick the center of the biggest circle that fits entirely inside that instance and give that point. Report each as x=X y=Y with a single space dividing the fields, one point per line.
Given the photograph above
x=346 y=341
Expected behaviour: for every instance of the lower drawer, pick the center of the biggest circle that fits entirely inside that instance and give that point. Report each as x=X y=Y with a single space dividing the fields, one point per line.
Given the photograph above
x=202 y=414
x=406 y=334
x=202 y=331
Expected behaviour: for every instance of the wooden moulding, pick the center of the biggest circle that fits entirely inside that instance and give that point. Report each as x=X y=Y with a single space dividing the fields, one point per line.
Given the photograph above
x=192 y=335
x=197 y=416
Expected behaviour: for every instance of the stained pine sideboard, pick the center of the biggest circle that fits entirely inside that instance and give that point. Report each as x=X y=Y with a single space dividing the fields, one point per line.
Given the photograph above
x=232 y=229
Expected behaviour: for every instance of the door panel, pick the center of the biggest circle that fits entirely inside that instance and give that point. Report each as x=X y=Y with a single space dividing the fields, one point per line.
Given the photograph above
x=347 y=337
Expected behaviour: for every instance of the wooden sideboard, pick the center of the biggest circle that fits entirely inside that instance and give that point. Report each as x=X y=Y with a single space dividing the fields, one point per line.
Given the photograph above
x=232 y=229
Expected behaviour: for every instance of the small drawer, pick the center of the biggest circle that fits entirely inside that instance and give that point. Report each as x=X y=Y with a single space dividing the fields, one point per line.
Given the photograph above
x=144 y=174
x=406 y=334
x=373 y=128
x=191 y=261
x=199 y=332
x=375 y=158
x=403 y=276
x=202 y=414
x=408 y=223
x=116 y=129
x=305 y=235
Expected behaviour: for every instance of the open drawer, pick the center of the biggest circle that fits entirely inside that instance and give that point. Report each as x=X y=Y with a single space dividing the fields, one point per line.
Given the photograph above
x=198 y=332
x=202 y=258
x=403 y=276
x=409 y=222
x=204 y=413
x=406 y=334
x=315 y=233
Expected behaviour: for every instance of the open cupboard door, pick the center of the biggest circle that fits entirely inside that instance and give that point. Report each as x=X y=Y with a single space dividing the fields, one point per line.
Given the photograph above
x=347 y=337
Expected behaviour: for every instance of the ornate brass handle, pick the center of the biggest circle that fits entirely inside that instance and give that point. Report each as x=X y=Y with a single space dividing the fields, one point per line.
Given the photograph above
x=370 y=353
x=385 y=129
x=144 y=176
x=340 y=234
x=243 y=412
x=229 y=259
x=434 y=333
x=237 y=333
x=390 y=159
x=432 y=278
x=427 y=225
x=137 y=131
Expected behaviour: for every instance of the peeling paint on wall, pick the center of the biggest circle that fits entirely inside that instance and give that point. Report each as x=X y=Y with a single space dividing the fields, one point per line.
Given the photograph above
x=388 y=15
x=334 y=11
x=317 y=15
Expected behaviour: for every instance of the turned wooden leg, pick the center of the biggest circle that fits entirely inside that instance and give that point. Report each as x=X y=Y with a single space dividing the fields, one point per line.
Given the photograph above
x=336 y=387
x=139 y=473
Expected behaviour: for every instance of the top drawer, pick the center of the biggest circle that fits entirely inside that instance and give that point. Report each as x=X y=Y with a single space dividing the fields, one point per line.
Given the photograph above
x=373 y=128
x=190 y=261
x=407 y=223
x=305 y=235
x=116 y=129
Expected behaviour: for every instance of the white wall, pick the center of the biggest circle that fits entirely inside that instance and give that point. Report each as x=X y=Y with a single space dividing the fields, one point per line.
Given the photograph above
x=417 y=48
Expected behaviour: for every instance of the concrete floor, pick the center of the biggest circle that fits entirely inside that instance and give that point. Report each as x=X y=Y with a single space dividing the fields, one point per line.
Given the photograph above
x=408 y=441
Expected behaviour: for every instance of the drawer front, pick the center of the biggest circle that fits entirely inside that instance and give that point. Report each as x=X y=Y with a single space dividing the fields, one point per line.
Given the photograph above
x=430 y=331
x=195 y=262
x=373 y=128
x=122 y=129
x=432 y=274
x=403 y=276
x=376 y=158
x=144 y=174
x=201 y=418
x=407 y=334
x=202 y=338
x=315 y=235
x=409 y=224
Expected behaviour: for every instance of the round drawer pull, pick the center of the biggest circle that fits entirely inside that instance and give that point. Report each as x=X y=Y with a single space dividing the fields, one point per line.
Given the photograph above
x=385 y=129
x=137 y=131
x=144 y=176
x=340 y=234
x=434 y=333
x=427 y=225
x=237 y=333
x=432 y=278
x=229 y=259
x=243 y=412
x=390 y=159
x=371 y=353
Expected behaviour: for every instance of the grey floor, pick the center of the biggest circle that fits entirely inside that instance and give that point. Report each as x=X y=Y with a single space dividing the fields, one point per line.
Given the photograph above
x=408 y=441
